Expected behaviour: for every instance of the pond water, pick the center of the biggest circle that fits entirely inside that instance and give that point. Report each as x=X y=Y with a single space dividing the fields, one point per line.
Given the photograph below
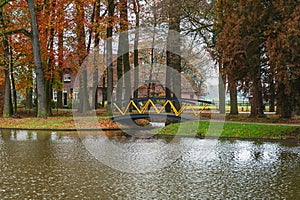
x=58 y=165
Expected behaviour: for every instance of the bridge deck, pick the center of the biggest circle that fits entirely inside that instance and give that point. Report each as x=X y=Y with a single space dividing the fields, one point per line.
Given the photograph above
x=149 y=116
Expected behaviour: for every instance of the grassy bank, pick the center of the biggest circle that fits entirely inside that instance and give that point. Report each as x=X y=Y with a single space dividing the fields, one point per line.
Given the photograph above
x=52 y=123
x=236 y=130
x=241 y=126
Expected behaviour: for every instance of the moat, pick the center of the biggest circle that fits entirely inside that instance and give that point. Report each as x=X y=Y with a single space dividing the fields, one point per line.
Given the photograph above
x=59 y=165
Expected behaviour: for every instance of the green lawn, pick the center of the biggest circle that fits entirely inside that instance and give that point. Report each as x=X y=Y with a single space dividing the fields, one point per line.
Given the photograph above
x=239 y=126
x=230 y=129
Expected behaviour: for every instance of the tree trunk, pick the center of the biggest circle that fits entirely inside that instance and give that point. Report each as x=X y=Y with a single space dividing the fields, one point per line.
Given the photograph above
x=136 y=6
x=233 y=97
x=119 y=92
x=297 y=97
x=125 y=48
x=7 y=110
x=151 y=64
x=11 y=105
x=284 y=103
x=29 y=93
x=272 y=95
x=96 y=53
x=81 y=53
x=95 y=87
x=48 y=92
x=50 y=64
x=59 y=98
x=86 y=104
x=60 y=58
x=257 y=100
x=109 y=33
x=13 y=85
x=152 y=57
x=103 y=92
x=7 y=92
x=222 y=106
x=14 y=94
x=168 y=89
x=41 y=112
x=173 y=50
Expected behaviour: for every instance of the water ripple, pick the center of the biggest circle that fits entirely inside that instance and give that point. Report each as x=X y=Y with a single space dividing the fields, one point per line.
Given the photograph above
x=57 y=166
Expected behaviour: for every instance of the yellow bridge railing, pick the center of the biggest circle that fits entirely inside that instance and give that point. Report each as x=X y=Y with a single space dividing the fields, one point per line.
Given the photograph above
x=196 y=110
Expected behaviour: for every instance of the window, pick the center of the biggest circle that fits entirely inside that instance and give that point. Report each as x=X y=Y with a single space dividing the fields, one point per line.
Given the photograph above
x=75 y=96
x=65 y=98
x=54 y=95
x=67 y=78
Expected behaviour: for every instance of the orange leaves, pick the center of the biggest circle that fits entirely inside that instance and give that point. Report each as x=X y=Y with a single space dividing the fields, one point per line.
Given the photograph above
x=2 y=77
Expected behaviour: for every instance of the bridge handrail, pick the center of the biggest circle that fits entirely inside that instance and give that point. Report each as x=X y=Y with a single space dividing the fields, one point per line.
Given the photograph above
x=166 y=99
x=158 y=109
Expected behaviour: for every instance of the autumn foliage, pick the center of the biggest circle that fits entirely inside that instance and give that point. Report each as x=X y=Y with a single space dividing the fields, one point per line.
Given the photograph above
x=254 y=42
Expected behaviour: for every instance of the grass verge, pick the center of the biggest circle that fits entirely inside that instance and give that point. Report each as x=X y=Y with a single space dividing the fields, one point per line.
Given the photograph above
x=236 y=130
x=65 y=123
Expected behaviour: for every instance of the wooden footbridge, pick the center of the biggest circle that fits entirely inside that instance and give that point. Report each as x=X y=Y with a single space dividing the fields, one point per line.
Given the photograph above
x=166 y=108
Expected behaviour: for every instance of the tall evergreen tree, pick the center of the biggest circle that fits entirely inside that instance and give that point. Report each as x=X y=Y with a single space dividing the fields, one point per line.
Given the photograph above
x=283 y=51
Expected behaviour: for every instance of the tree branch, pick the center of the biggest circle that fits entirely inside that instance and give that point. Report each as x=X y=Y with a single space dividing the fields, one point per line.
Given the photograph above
x=25 y=32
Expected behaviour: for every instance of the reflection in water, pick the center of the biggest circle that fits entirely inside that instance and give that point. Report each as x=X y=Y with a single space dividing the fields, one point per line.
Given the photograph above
x=6 y=134
x=37 y=165
x=43 y=136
